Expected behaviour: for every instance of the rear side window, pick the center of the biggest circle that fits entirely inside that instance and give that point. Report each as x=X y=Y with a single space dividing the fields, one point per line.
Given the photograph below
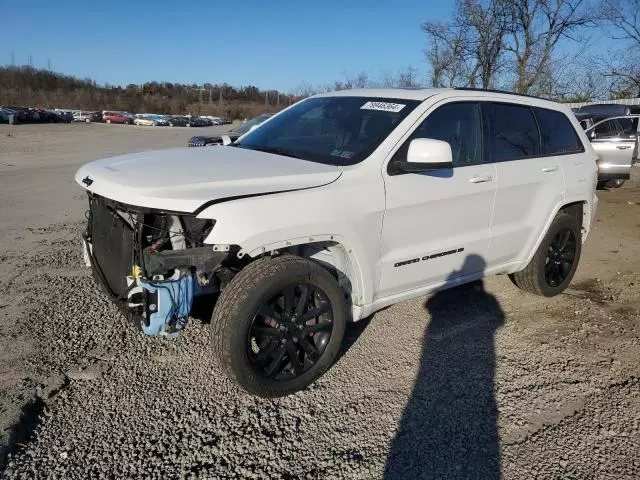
x=557 y=133
x=513 y=132
x=608 y=129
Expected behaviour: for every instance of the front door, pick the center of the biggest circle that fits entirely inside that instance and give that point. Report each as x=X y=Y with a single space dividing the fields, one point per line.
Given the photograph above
x=437 y=224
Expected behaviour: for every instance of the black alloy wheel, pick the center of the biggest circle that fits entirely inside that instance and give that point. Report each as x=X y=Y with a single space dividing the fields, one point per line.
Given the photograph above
x=560 y=257
x=290 y=332
x=278 y=325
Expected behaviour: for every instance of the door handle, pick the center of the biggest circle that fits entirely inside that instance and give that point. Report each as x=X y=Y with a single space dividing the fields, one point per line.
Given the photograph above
x=552 y=168
x=623 y=147
x=481 y=179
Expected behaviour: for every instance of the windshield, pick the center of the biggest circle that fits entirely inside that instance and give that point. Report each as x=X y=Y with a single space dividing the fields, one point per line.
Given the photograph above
x=332 y=130
x=244 y=128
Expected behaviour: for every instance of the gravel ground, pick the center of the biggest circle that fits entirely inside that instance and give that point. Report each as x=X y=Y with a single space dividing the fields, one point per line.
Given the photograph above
x=479 y=382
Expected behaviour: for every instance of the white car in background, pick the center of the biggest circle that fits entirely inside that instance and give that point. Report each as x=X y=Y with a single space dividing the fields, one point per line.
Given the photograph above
x=150 y=120
x=335 y=208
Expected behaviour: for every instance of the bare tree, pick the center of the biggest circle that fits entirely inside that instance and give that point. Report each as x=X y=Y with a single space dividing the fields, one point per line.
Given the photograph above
x=535 y=28
x=487 y=23
x=468 y=50
x=623 y=16
x=447 y=53
x=408 y=78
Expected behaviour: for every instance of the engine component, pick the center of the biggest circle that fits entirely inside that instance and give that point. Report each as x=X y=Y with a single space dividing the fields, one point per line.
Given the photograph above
x=174 y=297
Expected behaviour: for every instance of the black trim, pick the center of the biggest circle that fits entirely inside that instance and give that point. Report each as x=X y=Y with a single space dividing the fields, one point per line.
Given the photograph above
x=614 y=176
x=202 y=258
x=429 y=257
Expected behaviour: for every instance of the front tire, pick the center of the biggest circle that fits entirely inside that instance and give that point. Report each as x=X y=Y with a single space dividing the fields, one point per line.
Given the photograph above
x=278 y=325
x=555 y=262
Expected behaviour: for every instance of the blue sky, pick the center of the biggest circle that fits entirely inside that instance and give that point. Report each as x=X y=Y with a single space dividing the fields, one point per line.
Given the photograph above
x=270 y=44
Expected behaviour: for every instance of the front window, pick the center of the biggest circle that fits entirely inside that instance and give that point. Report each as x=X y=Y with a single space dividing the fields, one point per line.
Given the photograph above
x=332 y=130
x=607 y=129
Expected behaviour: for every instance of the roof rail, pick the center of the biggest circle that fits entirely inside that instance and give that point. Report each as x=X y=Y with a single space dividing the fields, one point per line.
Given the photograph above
x=499 y=91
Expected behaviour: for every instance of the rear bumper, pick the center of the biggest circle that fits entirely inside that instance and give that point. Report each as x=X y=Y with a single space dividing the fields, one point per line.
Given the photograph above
x=606 y=176
x=611 y=171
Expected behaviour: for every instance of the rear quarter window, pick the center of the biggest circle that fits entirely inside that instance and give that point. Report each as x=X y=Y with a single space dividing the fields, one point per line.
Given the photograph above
x=557 y=134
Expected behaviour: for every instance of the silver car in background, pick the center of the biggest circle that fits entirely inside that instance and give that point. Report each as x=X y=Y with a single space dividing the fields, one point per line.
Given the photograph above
x=616 y=140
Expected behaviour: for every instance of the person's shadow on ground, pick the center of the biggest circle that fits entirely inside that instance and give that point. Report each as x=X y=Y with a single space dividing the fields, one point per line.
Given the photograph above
x=449 y=428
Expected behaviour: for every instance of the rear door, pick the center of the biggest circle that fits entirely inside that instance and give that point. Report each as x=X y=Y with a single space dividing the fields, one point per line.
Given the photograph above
x=530 y=184
x=615 y=143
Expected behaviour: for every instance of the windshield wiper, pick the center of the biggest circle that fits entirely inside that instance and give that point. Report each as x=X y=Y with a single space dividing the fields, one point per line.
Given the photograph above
x=277 y=151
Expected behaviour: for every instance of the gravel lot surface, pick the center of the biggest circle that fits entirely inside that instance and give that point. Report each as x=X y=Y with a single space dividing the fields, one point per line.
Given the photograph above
x=479 y=382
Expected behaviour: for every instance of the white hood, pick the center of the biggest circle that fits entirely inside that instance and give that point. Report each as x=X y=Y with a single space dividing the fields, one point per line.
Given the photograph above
x=183 y=179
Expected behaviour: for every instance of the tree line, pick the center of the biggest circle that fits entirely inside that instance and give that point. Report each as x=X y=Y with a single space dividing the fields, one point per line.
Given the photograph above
x=25 y=85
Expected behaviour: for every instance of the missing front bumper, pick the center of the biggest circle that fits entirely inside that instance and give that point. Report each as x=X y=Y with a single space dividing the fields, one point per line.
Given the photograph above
x=153 y=287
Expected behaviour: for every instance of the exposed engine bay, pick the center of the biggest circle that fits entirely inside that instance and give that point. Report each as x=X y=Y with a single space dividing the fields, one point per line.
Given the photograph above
x=153 y=263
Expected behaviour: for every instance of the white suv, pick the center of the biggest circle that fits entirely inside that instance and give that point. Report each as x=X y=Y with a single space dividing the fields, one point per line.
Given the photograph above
x=338 y=206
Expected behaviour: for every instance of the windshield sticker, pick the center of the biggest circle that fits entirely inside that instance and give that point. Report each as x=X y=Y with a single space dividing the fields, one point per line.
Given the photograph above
x=384 y=106
x=341 y=153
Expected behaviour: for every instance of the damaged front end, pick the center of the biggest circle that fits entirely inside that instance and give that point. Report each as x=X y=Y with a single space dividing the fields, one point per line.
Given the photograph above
x=152 y=263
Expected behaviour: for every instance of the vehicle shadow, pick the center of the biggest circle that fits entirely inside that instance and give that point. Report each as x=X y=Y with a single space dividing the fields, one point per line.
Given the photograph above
x=351 y=335
x=449 y=427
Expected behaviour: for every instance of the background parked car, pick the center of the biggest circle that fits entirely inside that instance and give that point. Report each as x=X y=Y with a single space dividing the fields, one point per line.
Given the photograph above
x=233 y=134
x=177 y=121
x=4 y=115
x=198 y=121
x=116 y=117
x=64 y=116
x=19 y=113
x=87 y=117
x=616 y=141
x=151 y=120
x=589 y=114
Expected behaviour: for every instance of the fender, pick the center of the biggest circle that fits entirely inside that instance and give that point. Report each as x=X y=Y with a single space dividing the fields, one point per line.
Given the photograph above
x=344 y=215
x=588 y=214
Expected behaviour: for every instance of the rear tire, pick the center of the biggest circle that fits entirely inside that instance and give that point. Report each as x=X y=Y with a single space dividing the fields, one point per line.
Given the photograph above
x=264 y=332
x=616 y=183
x=555 y=262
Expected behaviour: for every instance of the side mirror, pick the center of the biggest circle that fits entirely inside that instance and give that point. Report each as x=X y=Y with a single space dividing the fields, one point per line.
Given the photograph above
x=592 y=134
x=426 y=154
